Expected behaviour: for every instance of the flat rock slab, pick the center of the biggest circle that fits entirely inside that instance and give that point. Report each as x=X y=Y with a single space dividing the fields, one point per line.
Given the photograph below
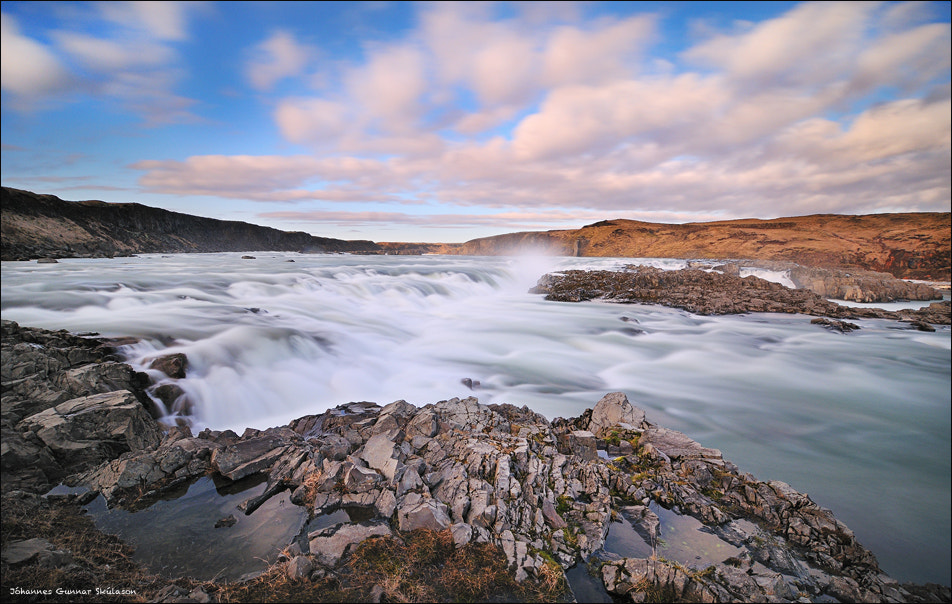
x=330 y=544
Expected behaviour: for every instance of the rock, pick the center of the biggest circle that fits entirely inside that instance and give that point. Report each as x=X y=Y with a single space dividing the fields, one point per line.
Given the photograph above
x=247 y=457
x=226 y=522
x=47 y=261
x=35 y=550
x=248 y=258
x=614 y=411
x=85 y=431
x=551 y=516
x=330 y=544
x=172 y=365
x=415 y=512
x=299 y=568
x=381 y=453
x=707 y=293
x=859 y=285
x=674 y=445
x=840 y=326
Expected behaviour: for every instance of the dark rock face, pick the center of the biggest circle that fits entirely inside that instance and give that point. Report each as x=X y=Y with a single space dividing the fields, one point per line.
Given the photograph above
x=67 y=406
x=713 y=293
x=44 y=226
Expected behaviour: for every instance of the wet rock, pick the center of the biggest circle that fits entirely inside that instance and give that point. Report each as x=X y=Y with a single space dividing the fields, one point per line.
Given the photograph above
x=711 y=293
x=227 y=521
x=172 y=365
x=840 y=326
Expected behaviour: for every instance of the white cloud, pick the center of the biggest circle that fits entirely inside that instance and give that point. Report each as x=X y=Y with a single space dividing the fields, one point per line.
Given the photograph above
x=767 y=128
x=29 y=69
x=390 y=88
x=106 y=56
x=810 y=45
x=159 y=19
x=280 y=56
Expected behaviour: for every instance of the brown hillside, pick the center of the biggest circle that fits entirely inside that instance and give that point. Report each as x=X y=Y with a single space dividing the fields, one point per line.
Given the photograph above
x=909 y=246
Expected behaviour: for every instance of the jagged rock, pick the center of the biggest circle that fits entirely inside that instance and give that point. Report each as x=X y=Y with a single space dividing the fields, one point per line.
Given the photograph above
x=674 y=445
x=708 y=293
x=88 y=430
x=172 y=365
x=415 y=511
x=495 y=474
x=299 y=568
x=614 y=411
x=840 y=326
x=330 y=544
x=247 y=457
x=381 y=453
x=859 y=285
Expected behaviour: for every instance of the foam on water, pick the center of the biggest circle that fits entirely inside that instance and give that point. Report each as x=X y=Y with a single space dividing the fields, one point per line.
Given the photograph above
x=860 y=421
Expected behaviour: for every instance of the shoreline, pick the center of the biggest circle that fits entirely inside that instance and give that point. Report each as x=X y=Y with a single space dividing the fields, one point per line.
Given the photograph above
x=499 y=475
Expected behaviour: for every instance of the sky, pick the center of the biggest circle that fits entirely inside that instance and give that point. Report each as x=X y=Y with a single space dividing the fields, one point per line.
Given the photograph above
x=443 y=122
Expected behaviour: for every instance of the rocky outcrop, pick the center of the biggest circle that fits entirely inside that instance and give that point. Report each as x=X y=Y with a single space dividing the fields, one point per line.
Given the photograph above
x=68 y=405
x=908 y=246
x=545 y=493
x=859 y=286
x=715 y=293
x=44 y=226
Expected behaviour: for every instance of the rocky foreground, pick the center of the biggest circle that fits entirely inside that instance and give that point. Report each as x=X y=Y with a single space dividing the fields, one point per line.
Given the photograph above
x=543 y=494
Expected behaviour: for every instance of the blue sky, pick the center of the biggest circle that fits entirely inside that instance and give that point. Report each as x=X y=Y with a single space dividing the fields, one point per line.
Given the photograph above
x=404 y=121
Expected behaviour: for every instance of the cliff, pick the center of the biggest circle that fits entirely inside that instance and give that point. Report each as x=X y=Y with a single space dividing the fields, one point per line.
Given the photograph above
x=908 y=246
x=38 y=226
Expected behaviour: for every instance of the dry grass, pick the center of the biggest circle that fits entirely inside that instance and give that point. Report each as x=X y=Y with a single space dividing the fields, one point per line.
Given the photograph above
x=422 y=566
x=99 y=560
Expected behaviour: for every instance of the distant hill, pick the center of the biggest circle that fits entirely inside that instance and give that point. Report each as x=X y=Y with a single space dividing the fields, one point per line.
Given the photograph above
x=37 y=226
x=909 y=246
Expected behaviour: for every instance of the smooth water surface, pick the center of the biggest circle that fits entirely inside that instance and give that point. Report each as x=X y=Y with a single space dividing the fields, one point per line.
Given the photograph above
x=859 y=421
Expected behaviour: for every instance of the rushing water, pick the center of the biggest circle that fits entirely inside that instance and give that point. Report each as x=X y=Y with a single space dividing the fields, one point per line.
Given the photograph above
x=860 y=421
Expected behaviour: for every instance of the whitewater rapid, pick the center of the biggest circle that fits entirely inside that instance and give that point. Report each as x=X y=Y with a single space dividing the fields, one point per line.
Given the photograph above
x=860 y=421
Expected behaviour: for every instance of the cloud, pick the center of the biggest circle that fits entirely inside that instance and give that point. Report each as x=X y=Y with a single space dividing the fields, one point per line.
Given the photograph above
x=389 y=88
x=280 y=56
x=133 y=63
x=810 y=45
x=826 y=108
x=29 y=69
x=107 y=56
x=158 y=19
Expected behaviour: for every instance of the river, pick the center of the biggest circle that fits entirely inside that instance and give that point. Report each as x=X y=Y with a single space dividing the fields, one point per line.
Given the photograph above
x=859 y=421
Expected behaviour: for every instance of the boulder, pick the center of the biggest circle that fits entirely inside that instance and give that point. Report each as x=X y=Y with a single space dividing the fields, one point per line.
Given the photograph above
x=331 y=544
x=415 y=511
x=86 y=431
x=614 y=411
x=172 y=365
